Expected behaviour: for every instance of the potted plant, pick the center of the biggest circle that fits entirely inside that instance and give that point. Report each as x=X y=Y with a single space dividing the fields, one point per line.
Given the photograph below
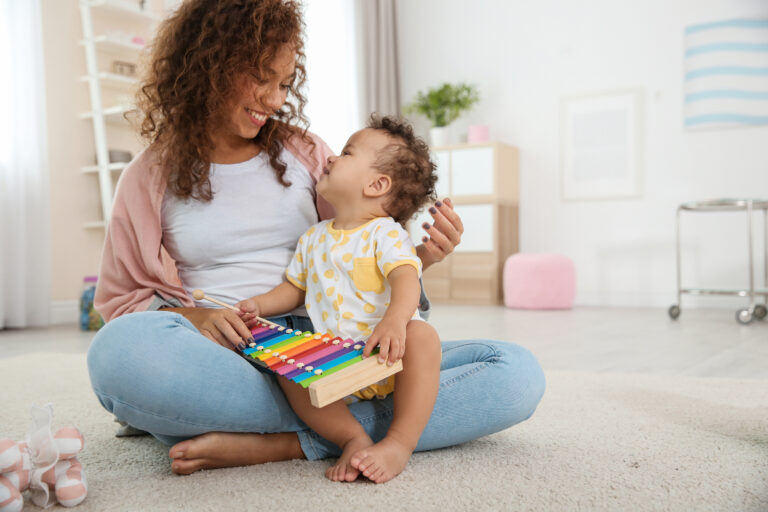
x=442 y=105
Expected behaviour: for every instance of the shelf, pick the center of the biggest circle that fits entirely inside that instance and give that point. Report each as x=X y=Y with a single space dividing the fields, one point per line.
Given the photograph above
x=724 y=205
x=109 y=43
x=97 y=224
x=113 y=78
x=123 y=28
x=710 y=291
x=114 y=166
x=111 y=112
x=482 y=182
x=124 y=8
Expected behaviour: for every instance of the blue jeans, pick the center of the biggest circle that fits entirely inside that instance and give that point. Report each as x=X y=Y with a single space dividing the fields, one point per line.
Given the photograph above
x=156 y=372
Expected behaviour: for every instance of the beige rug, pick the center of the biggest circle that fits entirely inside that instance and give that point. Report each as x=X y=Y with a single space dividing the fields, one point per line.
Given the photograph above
x=597 y=442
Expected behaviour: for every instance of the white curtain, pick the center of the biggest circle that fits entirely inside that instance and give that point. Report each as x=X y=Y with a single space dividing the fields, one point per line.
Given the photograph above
x=379 y=85
x=351 y=65
x=25 y=252
x=331 y=70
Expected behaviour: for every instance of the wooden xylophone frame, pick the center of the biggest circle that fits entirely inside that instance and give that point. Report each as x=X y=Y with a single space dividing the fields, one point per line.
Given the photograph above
x=325 y=385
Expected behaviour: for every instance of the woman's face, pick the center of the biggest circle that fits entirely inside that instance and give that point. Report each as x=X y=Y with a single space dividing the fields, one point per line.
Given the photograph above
x=253 y=101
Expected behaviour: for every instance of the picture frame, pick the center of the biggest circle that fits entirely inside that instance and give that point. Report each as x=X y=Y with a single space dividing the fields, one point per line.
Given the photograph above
x=601 y=145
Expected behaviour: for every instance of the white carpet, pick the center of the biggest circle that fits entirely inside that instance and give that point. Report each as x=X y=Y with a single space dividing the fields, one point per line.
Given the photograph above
x=597 y=442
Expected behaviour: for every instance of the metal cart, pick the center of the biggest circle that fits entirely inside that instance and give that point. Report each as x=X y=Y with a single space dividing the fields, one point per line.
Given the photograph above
x=755 y=310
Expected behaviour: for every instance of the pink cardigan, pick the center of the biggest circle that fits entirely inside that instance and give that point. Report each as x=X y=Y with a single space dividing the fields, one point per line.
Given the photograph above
x=134 y=264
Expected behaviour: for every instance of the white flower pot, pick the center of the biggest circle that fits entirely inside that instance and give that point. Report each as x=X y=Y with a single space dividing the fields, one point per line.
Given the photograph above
x=439 y=136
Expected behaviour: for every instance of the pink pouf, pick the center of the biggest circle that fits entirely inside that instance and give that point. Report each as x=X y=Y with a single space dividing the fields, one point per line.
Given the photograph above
x=539 y=281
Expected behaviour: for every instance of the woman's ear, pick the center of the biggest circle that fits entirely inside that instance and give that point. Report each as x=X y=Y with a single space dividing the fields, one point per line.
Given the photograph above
x=377 y=186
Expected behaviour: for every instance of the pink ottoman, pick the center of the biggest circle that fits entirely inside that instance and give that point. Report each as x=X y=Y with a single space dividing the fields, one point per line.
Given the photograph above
x=539 y=281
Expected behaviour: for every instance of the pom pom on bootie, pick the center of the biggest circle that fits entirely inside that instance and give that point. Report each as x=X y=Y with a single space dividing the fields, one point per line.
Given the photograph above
x=45 y=463
x=15 y=468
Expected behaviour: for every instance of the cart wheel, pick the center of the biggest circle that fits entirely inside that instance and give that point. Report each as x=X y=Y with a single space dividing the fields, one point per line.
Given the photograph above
x=760 y=311
x=674 y=311
x=744 y=316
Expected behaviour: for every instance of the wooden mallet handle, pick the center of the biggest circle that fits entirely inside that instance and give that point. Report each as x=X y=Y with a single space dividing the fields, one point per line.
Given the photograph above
x=198 y=294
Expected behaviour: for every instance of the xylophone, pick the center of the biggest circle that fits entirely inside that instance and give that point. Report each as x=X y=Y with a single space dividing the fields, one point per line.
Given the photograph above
x=330 y=367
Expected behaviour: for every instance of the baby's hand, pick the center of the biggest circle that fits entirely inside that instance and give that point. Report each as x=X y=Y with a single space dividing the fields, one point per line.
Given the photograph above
x=389 y=335
x=249 y=309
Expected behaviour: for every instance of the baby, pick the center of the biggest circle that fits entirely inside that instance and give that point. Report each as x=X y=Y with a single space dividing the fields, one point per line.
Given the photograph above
x=358 y=276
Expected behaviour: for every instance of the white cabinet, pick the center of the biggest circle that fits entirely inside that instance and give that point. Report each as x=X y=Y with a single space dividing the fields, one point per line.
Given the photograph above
x=472 y=171
x=442 y=160
x=482 y=182
x=479 y=219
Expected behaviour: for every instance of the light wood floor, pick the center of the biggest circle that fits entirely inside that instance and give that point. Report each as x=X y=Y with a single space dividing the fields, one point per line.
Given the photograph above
x=703 y=342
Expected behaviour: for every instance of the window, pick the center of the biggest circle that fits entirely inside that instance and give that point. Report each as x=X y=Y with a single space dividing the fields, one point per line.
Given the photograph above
x=332 y=99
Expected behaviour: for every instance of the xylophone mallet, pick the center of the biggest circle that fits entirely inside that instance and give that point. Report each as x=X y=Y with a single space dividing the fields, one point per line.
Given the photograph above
x=199 y=294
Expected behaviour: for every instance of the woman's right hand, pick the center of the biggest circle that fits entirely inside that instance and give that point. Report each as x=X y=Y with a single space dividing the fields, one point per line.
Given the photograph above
x=223 y=326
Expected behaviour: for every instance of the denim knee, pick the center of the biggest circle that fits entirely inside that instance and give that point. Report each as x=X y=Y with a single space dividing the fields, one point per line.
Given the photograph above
x=522 y=383
x=114 y=356
x=100 y=353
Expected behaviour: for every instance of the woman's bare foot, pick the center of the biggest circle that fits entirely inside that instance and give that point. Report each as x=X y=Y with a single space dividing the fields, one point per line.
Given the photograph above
x=343 y=471
x=383 y=461
x=227 y=449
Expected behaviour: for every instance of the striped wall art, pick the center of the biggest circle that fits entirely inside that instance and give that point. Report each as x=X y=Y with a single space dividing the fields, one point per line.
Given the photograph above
x=726 y=74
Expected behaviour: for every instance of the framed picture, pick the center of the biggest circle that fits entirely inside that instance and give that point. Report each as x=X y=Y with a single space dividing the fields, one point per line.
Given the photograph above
x=601 y=145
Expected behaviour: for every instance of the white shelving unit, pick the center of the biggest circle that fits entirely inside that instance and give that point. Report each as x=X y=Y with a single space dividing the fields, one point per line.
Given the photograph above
x=121 y=12
x=482 y=182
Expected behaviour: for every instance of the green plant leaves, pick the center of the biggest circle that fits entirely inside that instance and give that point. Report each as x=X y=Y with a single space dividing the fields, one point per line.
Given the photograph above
x=444 y=104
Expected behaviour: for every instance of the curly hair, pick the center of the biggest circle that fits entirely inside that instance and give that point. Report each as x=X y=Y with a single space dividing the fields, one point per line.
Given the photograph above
x=194 y=57
x=407 y=162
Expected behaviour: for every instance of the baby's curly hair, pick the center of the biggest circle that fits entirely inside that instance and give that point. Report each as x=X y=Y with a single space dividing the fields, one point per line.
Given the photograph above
x=407 y=162
x=194 y=57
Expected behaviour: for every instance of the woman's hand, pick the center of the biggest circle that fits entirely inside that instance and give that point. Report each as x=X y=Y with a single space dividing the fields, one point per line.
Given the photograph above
x=444 y=234
x=222 y=326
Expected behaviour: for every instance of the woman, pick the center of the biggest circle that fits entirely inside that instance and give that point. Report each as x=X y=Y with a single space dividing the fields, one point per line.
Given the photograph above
x=217 y=202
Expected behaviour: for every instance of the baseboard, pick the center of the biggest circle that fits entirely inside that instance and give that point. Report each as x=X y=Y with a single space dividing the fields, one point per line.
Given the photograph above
x=64 y=312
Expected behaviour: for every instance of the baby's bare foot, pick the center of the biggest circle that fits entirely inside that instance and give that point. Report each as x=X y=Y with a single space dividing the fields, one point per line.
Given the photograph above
x=383 y=461
x=343 y=471
x=224 y=449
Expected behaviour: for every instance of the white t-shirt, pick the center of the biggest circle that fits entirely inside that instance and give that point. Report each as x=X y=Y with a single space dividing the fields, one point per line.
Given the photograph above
x=344 y=271
x=239 y=244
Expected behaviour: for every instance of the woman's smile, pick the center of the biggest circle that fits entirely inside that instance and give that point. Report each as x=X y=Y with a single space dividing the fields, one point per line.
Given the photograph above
x=257 y=118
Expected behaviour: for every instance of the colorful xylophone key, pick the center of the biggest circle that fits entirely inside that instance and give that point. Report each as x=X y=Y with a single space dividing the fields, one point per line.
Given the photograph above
x=302 y=357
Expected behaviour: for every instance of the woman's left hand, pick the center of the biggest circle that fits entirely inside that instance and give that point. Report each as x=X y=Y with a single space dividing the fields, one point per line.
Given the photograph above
x=444 y=234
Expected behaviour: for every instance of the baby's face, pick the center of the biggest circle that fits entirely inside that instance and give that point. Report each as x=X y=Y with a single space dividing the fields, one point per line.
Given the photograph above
x=345 y=176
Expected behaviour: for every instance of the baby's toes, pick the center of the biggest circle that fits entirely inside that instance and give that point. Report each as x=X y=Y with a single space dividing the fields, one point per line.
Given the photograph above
x=333 y=473
x=381 y=476
x=370 y=465
x=356 y=459
x=351 y=474
x=365 y=462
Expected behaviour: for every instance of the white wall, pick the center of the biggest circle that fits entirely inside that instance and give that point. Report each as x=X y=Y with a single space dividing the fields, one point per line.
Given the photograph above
x=524 y=56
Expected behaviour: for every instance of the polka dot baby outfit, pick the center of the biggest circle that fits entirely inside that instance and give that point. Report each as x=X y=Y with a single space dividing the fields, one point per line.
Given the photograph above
x=343 y=272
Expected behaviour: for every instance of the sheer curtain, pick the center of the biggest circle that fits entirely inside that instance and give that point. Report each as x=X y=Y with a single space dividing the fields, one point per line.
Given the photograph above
x=332 y=105
x=25 y=252
x=351 y=65
x=378 y=74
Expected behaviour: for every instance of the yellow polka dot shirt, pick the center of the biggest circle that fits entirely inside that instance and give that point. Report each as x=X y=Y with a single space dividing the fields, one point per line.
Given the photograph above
x=343 y=272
